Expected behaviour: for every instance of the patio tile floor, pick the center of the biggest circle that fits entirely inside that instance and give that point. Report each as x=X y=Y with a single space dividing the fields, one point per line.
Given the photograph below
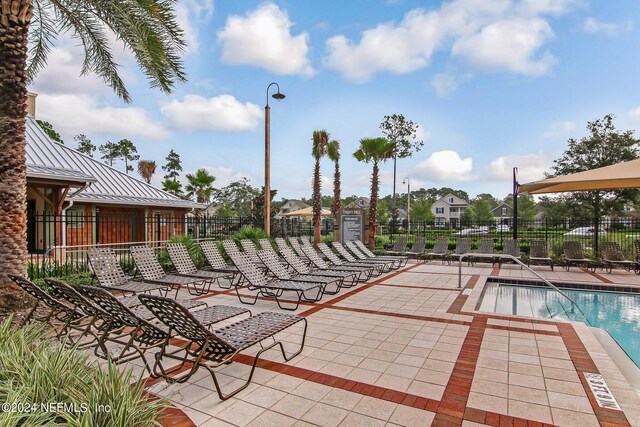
x=408 y=349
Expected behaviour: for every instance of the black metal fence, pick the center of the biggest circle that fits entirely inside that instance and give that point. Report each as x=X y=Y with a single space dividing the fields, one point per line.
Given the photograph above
x=57 y=245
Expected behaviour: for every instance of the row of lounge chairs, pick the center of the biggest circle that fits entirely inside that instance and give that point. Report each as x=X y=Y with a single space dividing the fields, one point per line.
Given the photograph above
x=91 y=317
x=573 y=254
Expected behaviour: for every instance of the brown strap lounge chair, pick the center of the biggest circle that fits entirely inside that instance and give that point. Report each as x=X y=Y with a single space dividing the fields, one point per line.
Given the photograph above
x=299 y=266
x=148 y=266
x=400 y=260
x=217 y=263
x=259 y=283
x=511 y=247
x=463 y=246
x=376 y=269
x=212 y=349
x=109 y=273
x=342 y=251
x=417 y=248
x=185 y=266
x=574 y=255
x=361 y=274
x=440 y=249
x=612 y=256
x=485 y=247
x=538 y=254
x=399 y=247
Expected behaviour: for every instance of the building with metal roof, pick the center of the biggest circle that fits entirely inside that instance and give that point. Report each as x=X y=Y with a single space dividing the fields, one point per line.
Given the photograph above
x=107 y=205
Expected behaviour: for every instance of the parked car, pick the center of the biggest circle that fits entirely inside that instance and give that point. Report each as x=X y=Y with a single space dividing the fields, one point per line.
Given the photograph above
x=472 y=231
x=585 y=232
x=502 y=228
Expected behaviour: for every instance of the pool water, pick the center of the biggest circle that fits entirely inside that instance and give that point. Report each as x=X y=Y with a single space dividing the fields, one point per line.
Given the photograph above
x=617 y=313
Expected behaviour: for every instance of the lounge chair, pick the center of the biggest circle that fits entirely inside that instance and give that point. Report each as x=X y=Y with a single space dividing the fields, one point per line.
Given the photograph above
x=148 y=266
x=185 y=266
x=359 y=246
x=135 y=335
x=345 y=278
x=511 y=247
x=109 y=273
x=374 y=269
x=572 y=254
x=417 y=248
x=295 y=245
x=212 y=349
x=280 y=243
x=217 y=263
x=399 y=247
x=250 y=249
x=612 y=256
x=342 y=251
x=440 y=249
x=280 y=271
x=485 y=248
x=539 y=254
x=463 y=246
x=361 y=274
x=258 y=282
x=48 y=310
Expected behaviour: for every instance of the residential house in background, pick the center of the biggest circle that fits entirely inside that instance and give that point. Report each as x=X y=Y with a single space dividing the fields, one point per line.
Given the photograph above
x=290 y=206
x=74 y=199
x=448 y=209
x=360 y=202
x=502 y=214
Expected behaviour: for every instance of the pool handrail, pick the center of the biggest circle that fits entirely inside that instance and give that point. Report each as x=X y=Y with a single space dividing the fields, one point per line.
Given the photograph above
x=517 y=261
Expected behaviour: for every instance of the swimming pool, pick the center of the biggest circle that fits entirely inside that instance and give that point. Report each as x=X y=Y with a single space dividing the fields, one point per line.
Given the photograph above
x=617 y=313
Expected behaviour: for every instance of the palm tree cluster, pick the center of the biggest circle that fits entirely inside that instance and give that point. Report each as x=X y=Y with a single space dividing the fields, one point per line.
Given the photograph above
x=322 y=147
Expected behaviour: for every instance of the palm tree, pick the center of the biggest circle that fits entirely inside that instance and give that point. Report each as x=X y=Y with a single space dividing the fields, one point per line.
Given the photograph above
x=320 y=142
x=199 y=185
x=333 y=153
x=374 y=150
x=148 y=29
x=146 y=169
x=173 y=187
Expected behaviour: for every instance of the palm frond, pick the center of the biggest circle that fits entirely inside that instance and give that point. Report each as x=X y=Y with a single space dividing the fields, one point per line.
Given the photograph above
x=42 y=32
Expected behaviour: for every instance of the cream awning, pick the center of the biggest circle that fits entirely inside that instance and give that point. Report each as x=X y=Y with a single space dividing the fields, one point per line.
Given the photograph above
x=618 y=176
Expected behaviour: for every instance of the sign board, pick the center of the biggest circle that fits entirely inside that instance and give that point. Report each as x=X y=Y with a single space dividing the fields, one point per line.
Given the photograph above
x=351 y=225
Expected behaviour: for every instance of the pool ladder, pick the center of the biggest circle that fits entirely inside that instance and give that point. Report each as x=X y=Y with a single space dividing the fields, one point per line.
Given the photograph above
x=518 y=261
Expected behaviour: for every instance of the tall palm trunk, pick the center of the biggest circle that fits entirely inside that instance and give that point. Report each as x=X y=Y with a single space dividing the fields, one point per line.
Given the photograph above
x=14 y=25
x=317 y=203
x=373 y=207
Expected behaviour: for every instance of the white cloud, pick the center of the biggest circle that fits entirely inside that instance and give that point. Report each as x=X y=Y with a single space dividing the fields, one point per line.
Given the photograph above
x=592 y=25
x=559 y=129
x=190 y=14
x=498 y=35
x=445 y=166
x=74 y=114
x=219 y=113
x=508 y=45
x=263 y=38
x=531 y=167
x=444 y=84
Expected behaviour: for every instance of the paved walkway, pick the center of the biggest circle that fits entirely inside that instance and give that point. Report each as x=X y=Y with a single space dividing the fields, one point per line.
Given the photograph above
x=408 y=349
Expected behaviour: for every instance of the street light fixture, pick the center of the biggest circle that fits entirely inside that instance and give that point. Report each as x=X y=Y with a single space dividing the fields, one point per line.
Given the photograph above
x=406 y=181
x=267 y=175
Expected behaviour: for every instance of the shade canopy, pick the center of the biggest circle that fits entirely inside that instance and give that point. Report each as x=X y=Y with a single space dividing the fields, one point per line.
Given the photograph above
x=618 y=176
x=308 y=211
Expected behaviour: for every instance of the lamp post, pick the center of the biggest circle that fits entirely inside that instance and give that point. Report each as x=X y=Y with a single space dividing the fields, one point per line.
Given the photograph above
x=267 y=155
x=408 y=204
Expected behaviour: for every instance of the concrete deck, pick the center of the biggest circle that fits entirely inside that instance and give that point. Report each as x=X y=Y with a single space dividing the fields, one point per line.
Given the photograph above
x=408 y=349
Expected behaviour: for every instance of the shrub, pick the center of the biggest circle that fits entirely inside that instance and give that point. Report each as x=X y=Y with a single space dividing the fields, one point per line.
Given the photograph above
x=251 y=233
x=36 y=370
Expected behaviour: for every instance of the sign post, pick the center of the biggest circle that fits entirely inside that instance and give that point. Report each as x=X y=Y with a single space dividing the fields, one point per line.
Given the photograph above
x=351 y=225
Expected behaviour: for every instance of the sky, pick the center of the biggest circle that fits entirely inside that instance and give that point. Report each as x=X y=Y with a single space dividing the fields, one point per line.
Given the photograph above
x=492 y=84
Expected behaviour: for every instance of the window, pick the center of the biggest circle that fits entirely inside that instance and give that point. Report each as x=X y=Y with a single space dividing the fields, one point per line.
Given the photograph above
x=75 y=217
x=439 y=211
x=450 y=199
x=504 y=211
